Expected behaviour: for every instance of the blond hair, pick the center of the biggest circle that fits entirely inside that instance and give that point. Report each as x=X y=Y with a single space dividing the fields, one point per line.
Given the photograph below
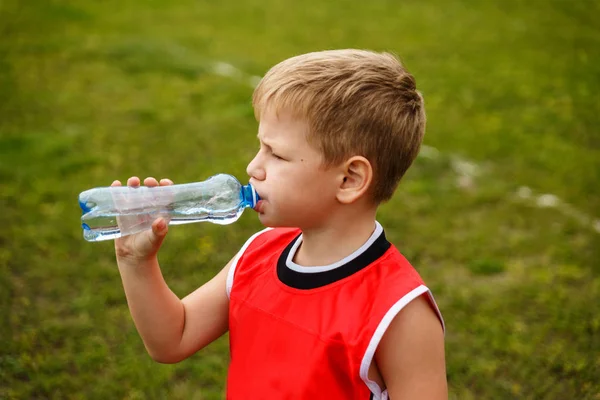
x=356 y=102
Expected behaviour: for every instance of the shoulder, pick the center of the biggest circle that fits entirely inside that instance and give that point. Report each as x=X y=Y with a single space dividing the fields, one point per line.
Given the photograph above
x=407 y=344
x=410 y=308
x=398 y=283
x=410 y=356
x=418 y=318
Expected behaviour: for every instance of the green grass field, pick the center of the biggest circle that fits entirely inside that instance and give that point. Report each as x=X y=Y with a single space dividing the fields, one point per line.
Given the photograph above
x=96 y=91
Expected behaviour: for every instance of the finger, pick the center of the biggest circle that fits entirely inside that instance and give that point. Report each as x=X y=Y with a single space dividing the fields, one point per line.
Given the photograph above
x=160 y=226
x=166 y=182
x=116 y=183
x=134 y=181
x=150 y=181
x=159 y=231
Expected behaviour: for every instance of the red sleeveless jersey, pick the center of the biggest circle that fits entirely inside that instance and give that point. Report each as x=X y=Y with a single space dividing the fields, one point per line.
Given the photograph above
x=311 y=332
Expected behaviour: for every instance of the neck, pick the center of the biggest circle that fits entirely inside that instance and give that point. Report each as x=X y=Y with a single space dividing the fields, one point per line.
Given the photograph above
x=340 y=237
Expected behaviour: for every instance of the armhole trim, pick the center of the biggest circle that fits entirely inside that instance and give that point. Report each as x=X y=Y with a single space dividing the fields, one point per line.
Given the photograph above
x=379 y=394
x=231 y=273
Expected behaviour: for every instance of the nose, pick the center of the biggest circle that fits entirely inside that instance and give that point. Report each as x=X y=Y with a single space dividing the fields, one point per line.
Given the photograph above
x=256 y=169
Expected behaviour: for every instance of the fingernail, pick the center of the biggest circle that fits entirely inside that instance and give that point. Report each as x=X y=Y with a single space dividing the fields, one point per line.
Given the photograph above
x=162 y=225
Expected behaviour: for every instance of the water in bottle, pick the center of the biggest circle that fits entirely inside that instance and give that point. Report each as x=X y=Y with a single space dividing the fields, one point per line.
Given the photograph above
x=112 y=212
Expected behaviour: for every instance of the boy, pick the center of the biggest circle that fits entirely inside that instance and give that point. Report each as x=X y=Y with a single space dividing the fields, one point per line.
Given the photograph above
x=326 y=309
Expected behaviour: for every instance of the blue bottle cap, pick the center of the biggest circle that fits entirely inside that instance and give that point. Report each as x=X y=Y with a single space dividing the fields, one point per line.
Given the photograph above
x=249 y=196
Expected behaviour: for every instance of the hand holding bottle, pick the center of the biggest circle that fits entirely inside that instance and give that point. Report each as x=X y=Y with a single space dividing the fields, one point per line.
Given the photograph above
x=116 y=211
x=143 y=245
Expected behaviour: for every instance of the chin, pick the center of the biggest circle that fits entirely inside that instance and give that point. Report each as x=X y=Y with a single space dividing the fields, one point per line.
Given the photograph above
x=266 y=221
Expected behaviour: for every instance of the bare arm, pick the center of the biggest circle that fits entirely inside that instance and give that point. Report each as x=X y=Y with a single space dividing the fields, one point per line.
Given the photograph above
x=171 y=329
x=410 y=356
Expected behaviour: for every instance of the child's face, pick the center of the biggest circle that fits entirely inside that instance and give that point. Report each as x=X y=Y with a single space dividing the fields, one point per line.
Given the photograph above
x=287 y=172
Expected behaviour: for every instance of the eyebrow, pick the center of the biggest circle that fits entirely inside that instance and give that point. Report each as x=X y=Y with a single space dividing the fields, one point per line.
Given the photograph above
x=268 y=144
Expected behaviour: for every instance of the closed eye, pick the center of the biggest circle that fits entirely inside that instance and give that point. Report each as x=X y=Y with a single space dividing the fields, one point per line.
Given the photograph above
x=268 y=148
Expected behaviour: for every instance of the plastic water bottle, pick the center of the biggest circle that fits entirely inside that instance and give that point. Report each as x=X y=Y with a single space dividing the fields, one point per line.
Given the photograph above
x=112 y=212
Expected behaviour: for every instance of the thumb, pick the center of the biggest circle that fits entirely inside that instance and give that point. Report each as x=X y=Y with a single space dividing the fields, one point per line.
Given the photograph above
x=159 y=231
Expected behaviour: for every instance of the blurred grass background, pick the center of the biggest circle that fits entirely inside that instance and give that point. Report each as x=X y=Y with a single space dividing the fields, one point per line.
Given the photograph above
x=96 y=91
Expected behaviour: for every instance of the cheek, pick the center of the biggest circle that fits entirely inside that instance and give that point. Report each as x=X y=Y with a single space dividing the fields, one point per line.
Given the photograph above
x=280 y=175
x=299 y=184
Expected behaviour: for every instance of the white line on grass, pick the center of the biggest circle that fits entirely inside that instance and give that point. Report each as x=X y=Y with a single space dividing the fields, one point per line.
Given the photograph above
x=225 y=69
x=467 y=171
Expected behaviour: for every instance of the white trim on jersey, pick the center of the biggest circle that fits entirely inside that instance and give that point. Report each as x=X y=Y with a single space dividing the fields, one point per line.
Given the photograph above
x=230 y=274
x=379 y=394
x=322 y=268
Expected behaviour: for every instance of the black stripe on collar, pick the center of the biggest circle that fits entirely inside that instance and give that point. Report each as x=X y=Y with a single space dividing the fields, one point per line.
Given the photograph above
x=313 y=280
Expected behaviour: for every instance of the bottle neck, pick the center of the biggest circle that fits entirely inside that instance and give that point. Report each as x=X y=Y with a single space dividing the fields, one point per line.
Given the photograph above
x=249 y=196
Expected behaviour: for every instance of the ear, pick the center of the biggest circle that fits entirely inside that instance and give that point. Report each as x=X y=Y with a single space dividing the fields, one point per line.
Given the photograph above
x=355 y=179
